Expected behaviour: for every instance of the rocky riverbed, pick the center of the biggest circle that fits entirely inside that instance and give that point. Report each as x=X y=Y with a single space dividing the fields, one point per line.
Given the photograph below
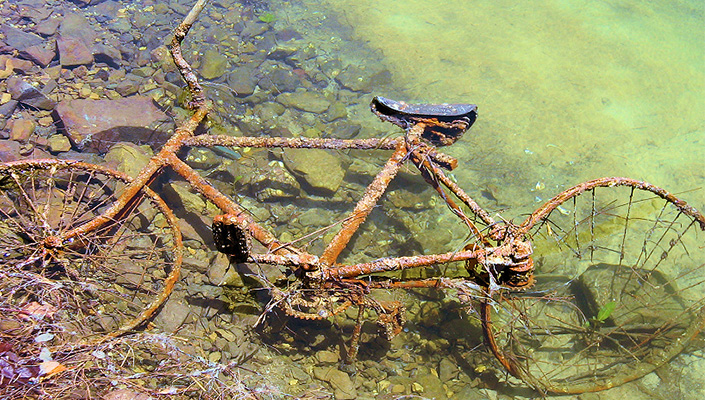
x=93 y=80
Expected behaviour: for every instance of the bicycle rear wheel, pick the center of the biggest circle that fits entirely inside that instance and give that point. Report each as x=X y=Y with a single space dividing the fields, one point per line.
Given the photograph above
x=104 y=281
x=620 y=288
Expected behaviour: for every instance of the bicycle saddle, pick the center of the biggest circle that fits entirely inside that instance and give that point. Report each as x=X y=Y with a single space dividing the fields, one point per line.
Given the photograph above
x=443 y=123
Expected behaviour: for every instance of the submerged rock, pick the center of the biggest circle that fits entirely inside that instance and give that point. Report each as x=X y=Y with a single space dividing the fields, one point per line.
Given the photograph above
x=125 y=394
x=95 y=125
x=274 y=182
x=48 y=27
x=172 y=315
x=28 y=94
x=363 y=80
x=126 y=157
x=73 y=51
x=213 y=64
x=22 y=129
x=18 y=39
x=243 y=80
x=321 y=171
x=41 y=55
x=340 y=381
x=306 y=101
x=9 y=150
x=221 y=273
x=58 y=144
x=76 y=25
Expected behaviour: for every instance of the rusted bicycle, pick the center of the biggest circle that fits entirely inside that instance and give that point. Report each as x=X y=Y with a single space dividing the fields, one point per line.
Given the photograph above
x=599 y=286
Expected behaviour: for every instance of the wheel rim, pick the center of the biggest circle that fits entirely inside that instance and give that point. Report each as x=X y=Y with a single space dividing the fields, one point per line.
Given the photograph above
x=108 y=280
x=620 y=288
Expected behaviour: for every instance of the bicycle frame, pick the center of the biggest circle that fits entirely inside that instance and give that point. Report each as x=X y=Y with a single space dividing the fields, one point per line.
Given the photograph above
x=498 y=257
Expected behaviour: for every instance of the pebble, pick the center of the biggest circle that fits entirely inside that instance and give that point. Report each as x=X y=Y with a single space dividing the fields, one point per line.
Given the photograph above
x=22 y=129
x=215 y=356
x=59 y=144
x=313 y=102
x=243 y=80
x=398 y=389
x=343 y=386
x=417 y=387
x=173 y=314
x=327 y=357
x=323 y=172
x=28 y=94
x=213 y=64
x=73 y=51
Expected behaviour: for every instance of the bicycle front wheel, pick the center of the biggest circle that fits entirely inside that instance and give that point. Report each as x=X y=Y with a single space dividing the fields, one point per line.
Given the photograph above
x=619 y=291
x=101 y=281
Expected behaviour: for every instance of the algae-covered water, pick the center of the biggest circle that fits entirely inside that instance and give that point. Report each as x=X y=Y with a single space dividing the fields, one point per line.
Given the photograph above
x=567 y=90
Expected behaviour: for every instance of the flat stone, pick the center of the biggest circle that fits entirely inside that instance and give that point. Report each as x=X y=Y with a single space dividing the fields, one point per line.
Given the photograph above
x=341 y=383
x=28 y=94
x=19 y=39
x=22 y=129
x=26 y=67
x=131 y=119
x=277 y=79
x=120 y=25
x=59 y=144
x=306 y=101
x=180 y=193
x=243 y=80
x=429 y=384
x=213 y=64
x=73 y=51
x=143 y=72
x=48 y=27
x=127 y=86
x=363 y=80
x=77 y=26
x=254 y=28
x=447 y=370
x=107 y=54
x=9 y=150
x=221 y=273
x=126 y=394
x=42 y=55
x=34 y=10
x=8 y=108
x=126 y=157
x=327 y=357
x=172 y=315
x=127 y=273
x=337 y=110
x=108 y=9
x=321 y=171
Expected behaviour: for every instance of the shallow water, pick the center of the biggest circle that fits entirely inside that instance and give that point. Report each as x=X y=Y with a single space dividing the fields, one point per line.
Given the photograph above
x=568 y=90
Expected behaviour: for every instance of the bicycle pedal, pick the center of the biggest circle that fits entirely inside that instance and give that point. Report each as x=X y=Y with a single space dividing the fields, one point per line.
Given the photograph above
x=231 y=237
